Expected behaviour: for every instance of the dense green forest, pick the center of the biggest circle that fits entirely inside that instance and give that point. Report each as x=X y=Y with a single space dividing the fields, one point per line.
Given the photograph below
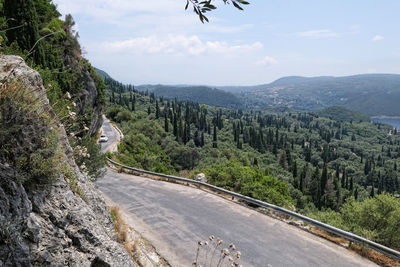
x=338 y=113
x=200 y=94
x=34 y=31
x=299 y=160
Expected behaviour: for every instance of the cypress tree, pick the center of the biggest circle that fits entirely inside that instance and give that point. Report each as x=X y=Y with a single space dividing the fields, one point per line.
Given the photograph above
x=185 y=138
x=324 y=179
x=187 y=125
x=157 y=110
x=294 y=169
x=315 y=188
x=196 y=140
x=165 y=122
x=215 y=137
x=23 y=12
x=282 y=160
x=302 y=178
x=343 y=180
x=351 y=184
x=175 y=120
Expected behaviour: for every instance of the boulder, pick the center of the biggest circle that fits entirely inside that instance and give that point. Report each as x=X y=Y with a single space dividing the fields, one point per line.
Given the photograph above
x=201 y=177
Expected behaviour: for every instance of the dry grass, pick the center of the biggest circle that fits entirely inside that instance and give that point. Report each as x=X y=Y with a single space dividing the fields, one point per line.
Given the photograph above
x=375 y=256
x=335 y=239
x=122 y=230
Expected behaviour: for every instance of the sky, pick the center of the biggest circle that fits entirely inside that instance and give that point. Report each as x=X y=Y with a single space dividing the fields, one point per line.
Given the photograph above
x=158 y=42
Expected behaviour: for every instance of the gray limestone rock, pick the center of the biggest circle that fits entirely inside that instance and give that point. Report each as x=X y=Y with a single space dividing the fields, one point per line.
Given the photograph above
x=51 y=225
x=201 y=177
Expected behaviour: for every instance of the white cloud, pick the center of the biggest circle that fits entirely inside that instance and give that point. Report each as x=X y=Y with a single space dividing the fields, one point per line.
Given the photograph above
x=318 y=34
x=377 y=38
x=176 y=45
x=267 y=61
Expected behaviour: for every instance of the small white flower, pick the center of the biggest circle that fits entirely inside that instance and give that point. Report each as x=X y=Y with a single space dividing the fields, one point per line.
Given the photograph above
x=67 y=95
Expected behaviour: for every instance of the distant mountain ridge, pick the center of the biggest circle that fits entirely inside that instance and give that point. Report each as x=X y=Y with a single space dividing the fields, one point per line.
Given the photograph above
x=372 y=94
x=201 y=94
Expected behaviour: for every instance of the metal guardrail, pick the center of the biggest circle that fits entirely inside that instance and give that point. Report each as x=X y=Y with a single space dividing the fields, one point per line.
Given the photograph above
x=336 y=231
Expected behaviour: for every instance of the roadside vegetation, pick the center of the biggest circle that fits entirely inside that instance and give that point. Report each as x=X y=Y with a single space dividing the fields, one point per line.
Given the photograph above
x=48 y=44
x=28 y=136
x=315 y=164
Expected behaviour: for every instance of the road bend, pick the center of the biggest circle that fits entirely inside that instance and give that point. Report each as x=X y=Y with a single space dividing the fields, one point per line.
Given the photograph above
x=174 y=217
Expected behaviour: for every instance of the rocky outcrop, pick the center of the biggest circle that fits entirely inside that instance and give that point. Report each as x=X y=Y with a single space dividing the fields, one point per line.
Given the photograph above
x=88 y=95
x=52 y=225
x=200 y=177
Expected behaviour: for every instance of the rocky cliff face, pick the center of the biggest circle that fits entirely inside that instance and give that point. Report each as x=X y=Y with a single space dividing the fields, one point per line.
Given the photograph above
x=88 y=96
x=50 y=224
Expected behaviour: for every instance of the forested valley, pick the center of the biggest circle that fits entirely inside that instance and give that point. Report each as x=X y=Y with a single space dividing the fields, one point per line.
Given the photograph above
x=343 y=172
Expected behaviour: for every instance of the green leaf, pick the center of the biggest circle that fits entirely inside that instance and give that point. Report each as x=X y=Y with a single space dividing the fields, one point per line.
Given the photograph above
x=237 y=5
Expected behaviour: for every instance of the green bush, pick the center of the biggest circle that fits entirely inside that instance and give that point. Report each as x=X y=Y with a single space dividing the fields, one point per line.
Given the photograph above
x=28 y=137
x=377 y=219
x=250 y=181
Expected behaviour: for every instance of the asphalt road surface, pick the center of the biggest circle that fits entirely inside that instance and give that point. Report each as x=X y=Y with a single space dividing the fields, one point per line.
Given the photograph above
x=174 y=217
x=113 y=136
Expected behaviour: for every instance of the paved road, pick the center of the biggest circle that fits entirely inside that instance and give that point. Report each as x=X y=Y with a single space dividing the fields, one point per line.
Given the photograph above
x=112 y=134
x=174 y=217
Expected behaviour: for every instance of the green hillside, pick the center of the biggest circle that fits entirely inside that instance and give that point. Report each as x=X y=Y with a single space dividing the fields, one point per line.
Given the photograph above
x=201 y=94
x=102 y=74
x=338 y=113
x=318 y=164
x=372 y=94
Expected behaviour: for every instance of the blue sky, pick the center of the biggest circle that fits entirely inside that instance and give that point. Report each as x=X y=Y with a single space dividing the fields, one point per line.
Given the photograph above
x=156 y=41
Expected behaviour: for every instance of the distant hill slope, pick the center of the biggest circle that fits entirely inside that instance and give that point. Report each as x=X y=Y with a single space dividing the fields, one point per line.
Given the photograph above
x=372 y=94
x=102 y=73
x=200 y=94
x=342 y=114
